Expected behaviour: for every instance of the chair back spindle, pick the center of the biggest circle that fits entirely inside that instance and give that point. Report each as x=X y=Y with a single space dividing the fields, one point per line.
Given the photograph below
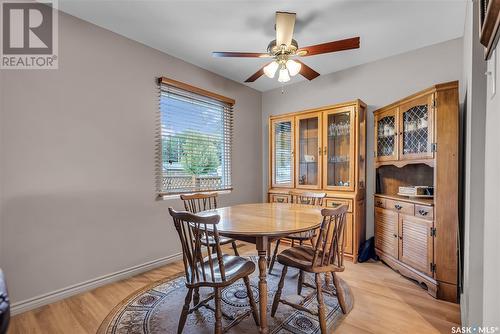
x=195 y=203
x=329 y=247
x=193 y=233
x=308 y=198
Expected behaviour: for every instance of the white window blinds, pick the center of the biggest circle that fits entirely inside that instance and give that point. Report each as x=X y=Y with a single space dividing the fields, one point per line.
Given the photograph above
x=196 y=140
x=283 y=153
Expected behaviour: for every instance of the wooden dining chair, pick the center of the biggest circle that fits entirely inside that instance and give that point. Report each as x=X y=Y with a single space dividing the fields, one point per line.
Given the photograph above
x=308 y=198
x=216 y=270
x=195 y=203
x=327 y=256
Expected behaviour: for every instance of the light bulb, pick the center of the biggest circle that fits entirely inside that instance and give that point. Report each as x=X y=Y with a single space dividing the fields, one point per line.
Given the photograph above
x=284 y=77
x=270 y=69
x=293 y=67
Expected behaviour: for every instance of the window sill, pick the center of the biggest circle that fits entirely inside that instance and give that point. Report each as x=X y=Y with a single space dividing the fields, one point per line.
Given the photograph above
x=166 y=197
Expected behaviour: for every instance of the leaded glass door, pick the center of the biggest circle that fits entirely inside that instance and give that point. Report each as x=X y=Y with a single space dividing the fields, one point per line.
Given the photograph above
x=416 y=120
x=338 y=149
x=282 y=139
x=308 y=144
x=386 y=134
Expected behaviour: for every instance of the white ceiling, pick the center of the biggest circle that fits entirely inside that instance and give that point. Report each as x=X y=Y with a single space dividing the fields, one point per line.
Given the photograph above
x=191 y=30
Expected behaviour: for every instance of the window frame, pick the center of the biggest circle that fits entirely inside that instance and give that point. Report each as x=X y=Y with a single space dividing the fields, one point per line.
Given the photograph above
x=162 y=82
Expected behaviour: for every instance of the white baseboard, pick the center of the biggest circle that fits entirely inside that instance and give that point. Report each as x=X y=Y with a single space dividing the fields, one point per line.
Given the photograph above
x=51 y=297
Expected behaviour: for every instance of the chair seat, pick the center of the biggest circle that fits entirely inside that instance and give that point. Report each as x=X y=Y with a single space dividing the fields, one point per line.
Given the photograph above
x=303 y=235
x=211 y=241
x=236 y=267
x=301 y=257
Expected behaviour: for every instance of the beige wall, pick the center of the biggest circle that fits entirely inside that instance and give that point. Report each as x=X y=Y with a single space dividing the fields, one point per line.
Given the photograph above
x=491 y=289
x=78 y=159
x=377 y=83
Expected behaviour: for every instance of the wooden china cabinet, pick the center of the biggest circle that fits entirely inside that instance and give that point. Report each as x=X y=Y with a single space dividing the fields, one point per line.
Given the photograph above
x=323 y=149
x=417 y=144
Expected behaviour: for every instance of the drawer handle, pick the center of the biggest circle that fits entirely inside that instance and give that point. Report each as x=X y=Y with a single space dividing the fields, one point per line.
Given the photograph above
x=395 y=235
x=336 y=204
x=280 y=200
x=422 y=212
x=400 y=238
x=398 y=207
x=379 y=203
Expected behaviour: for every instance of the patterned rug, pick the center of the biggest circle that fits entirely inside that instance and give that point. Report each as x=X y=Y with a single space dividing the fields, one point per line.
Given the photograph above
x=156 y=308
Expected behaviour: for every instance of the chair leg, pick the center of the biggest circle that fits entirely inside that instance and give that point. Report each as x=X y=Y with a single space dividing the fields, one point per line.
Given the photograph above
x=293 y=242
x=300 y=282
x=312 y=242
x=301 y=242
x=218 y=312
x=321 y=304
x=328 y=281
x=271 y=265
x=196 y=297
x=235 y=249
x=185 y=310
x=268 y=252
x=340 y=293
x=253 y=305
x=277 y=296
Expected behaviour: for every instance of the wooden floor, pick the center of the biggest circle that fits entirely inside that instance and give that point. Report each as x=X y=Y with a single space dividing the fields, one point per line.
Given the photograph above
x=384 y=302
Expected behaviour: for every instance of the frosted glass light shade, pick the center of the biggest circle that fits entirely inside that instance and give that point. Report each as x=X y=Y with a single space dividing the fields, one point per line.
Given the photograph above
x=293 y=67
x=284 y=76
x=270 y=69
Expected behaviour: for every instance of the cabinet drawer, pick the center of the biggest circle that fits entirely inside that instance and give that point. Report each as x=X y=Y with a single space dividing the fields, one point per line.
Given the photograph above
x=380 y=202
x=336 y=202
x=279 y=198
x=401 y=207
x=424 y=211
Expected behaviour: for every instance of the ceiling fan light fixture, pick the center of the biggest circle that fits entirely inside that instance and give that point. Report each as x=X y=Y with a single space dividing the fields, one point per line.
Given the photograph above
x=284 y=76
x=284 y=47
x=293 y=67
x=270 y=69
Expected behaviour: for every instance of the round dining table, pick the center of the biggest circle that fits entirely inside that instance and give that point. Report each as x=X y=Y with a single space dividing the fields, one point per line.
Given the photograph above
x=260 y=224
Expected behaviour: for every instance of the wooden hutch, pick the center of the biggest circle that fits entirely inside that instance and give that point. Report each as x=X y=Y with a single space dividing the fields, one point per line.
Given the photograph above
x=416 y=144
x=323 y=150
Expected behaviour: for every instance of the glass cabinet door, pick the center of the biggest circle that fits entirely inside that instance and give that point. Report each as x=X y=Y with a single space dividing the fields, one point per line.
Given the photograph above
x=338 y=149
x=308 y=151
x=386 y=133
x=416 y=129
x=282 y=138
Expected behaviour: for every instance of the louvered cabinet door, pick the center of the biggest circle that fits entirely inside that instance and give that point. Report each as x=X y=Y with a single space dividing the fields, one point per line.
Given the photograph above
x=415 y=243
x=386 y=231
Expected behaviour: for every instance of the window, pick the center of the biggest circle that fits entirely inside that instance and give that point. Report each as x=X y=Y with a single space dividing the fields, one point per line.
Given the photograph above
x=196 y=137
x=283 y=156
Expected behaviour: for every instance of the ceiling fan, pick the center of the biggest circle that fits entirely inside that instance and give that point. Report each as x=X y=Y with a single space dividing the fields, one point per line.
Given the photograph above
x=284 y=49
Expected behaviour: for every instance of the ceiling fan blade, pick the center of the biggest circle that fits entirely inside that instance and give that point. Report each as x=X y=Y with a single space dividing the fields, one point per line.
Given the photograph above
x=240 y=54
x=285 y=22
x=306 y=71
x=341 y=45
x=257 y=74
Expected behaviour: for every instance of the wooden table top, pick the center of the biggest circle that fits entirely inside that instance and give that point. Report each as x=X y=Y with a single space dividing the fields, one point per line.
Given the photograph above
x=266 y=219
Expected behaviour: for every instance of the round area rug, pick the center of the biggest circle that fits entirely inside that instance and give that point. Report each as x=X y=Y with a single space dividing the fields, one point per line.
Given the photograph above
x=156 y=308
